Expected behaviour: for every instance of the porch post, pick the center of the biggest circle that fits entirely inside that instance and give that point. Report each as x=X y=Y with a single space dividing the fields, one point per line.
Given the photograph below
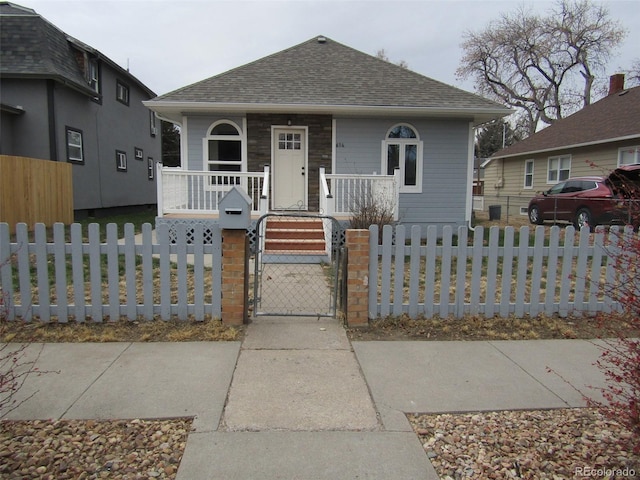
x=235 y=276
x=357 y=308
x=159 y=199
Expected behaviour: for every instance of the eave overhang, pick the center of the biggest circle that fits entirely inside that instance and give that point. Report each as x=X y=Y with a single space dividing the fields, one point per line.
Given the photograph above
x=174 y=111
x=568 y=147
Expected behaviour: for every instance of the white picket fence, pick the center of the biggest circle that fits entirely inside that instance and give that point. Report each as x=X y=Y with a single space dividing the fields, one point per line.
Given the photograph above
x=440 y=277
x=142 y=277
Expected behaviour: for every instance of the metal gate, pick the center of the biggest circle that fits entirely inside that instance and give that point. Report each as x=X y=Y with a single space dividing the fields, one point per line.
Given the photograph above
x=297 y=265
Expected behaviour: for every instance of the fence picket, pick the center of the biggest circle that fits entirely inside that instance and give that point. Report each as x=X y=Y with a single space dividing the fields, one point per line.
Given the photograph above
x=60 y=256
x=430 y=271
x=476 y=271
x=445 y=274
x=113 y=275
x=550 y=275
x=398 y=269
x=41 y=270
x=414 y=273
x=552 y=270
x=507 y=270
x=147 y=272
x=521 y=282
x=130 y=272
x=490 y=300
x=567 y=268
x=42 y=308
x=77 y=268
x=385 y=299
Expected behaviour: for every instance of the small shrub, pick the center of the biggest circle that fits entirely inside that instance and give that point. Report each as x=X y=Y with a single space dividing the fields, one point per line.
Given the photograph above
x=368 y=210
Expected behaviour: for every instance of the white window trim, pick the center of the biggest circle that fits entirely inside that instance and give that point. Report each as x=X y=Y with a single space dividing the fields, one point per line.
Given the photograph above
x=417 y=188
x=558 y=179
x=70 y=158
x=533 y=169
x=205 y=151
x=121 y=161
x=636 y=157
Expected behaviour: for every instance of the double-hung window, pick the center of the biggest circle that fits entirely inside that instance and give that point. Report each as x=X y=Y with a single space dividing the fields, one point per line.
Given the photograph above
x=528 y=174
x=122 y=92
x=402 y=149
x=559 y=168
x=628 y=155
x=223 y=153
x=75 y=151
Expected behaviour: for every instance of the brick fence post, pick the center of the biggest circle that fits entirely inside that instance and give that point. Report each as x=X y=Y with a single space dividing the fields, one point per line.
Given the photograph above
x=235 y=276
x=357 y=242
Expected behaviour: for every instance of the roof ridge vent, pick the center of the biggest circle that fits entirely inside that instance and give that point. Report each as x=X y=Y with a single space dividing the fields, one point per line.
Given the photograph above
x=322 y=39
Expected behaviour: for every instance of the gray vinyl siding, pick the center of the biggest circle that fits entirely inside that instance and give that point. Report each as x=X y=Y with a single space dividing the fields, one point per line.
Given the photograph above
x=197 y=128
x=444 y=172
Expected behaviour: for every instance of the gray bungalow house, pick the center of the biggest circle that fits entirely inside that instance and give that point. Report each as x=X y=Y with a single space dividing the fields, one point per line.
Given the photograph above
x=313 y=127
x=64 y=101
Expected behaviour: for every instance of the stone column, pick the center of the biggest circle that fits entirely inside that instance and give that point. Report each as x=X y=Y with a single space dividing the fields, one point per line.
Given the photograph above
x=235 y=276
x=357 y=242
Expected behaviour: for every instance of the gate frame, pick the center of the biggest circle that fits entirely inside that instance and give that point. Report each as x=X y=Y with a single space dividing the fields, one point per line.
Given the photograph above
x=336 y=254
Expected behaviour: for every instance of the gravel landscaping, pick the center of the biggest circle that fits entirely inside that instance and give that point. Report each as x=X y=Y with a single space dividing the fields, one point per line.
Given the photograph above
x=548 y=444
x=92 y=449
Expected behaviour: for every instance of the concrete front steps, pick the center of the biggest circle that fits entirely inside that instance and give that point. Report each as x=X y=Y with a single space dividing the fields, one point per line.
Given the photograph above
x=294 y=240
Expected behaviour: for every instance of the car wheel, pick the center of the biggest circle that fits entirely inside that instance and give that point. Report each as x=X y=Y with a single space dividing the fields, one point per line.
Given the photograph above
x=583 y=217
x=534 y=215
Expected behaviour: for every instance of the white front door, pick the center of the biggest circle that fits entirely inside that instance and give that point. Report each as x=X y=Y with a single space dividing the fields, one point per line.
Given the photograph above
x=289 y=169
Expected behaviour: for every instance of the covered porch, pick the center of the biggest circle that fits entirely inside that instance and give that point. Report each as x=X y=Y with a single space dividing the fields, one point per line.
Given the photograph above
x=197 y=194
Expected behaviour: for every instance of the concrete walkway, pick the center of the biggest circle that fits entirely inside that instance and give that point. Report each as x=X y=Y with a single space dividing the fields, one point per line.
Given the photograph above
x=296 y=400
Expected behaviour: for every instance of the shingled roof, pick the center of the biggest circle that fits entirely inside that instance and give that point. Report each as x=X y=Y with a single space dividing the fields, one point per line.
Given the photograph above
x=32 y=47
x=613 y=118
x=324 y=73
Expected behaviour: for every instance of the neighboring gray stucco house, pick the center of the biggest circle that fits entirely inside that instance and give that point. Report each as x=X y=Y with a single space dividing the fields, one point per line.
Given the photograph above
x=323 y=104
x=64 y=101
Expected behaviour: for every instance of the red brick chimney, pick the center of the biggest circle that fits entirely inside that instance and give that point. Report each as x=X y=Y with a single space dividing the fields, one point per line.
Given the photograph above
x=616 y=83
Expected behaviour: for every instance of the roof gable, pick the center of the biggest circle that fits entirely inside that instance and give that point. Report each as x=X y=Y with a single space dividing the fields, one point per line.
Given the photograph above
x=32 y=47
x=323 y=72
x=614 y=117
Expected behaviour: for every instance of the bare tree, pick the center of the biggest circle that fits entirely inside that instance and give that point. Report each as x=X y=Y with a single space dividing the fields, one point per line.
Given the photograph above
x=545 y=66
x=382 y=55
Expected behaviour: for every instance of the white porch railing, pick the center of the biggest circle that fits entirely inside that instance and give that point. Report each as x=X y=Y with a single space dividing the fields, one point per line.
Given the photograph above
x=342 y=194
x=197 y=192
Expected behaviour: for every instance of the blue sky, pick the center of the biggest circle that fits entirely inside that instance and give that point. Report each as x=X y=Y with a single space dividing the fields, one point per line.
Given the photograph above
x=170 y=44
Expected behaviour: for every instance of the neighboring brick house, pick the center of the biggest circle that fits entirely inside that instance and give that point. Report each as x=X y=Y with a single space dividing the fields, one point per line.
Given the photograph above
x=64 y=101
x=605 y=134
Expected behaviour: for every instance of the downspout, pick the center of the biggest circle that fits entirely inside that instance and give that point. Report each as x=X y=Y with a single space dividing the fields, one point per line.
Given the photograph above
x=51 y=117
x=471 y=163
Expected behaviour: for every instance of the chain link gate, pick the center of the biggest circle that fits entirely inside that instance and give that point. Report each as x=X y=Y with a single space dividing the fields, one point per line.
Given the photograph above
x=297 y=265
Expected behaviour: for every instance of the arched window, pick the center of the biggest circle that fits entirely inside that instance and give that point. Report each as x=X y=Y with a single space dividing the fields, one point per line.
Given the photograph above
x=402 y=149
x=223 y=152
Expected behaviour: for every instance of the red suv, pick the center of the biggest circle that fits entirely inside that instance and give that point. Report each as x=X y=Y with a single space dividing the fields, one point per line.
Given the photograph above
x=614 y=199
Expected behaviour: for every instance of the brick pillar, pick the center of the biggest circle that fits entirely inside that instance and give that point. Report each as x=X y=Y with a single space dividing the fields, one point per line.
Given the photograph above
x=357 y=278
x=235 y=276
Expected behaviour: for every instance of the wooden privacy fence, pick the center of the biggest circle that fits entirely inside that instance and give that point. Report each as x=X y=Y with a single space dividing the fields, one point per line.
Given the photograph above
x=145 y=277
x=33 y=191
x=520 y=276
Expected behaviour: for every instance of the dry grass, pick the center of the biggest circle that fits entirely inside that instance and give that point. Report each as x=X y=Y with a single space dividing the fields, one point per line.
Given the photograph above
x=120 y=331
x=496 y=328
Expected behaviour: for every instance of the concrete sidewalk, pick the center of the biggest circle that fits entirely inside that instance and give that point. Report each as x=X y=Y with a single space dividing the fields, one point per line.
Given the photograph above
x=297 y=400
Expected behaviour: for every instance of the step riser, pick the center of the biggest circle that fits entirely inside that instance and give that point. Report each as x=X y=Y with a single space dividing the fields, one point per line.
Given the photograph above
x=291 y=236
